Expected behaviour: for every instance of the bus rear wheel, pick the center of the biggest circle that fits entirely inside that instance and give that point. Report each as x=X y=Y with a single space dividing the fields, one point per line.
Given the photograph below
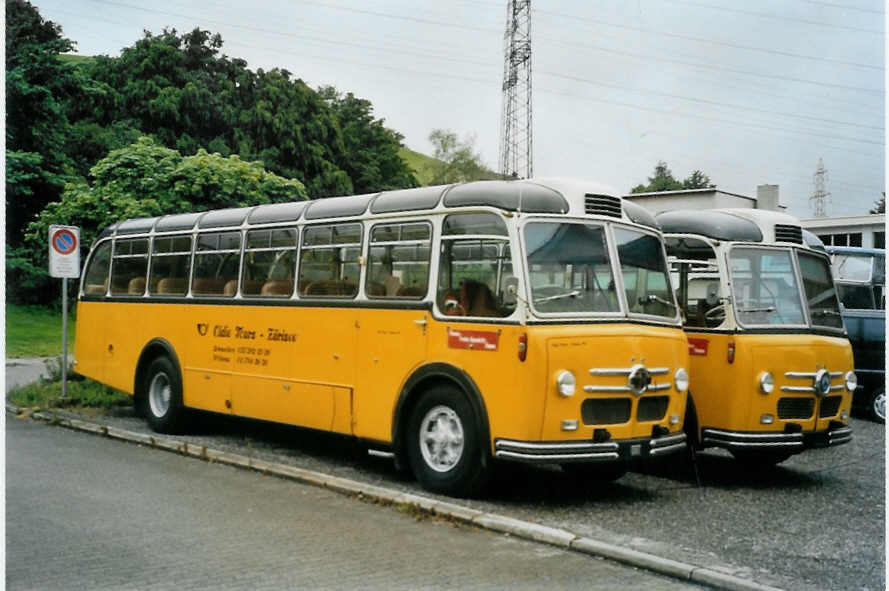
x=443 y=444
x=161 y=397
x=877 y=406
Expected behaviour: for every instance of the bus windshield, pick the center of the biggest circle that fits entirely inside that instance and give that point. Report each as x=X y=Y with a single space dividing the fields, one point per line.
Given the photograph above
x=765 y=288
x=821 y=295
x=570 y=270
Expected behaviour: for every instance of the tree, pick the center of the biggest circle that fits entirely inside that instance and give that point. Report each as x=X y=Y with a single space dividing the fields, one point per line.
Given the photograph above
x=37 y=84
x=663 y=180
x=459 y=162
x=879 y=205
x=370 y=156
x=146 y=179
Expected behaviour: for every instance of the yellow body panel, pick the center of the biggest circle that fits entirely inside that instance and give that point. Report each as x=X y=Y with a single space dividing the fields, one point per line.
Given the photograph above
x=727 y=395
x=343 y=369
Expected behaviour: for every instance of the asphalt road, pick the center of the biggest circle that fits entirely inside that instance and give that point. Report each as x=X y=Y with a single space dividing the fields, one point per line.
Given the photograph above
x=89 y=513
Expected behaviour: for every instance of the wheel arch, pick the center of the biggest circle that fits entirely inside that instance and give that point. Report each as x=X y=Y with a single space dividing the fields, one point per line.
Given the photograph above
x=691 y=424
x=421 y=380
x=157 y=347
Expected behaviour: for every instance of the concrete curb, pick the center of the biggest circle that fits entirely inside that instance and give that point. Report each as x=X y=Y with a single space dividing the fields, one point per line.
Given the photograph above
x=489 y=521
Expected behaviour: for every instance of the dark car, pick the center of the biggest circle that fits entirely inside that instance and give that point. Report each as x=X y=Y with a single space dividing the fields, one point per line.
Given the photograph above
x=860 y=275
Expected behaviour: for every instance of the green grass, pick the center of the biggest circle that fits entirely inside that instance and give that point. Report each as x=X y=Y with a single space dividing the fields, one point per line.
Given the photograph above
x=82 y=394
x=75 y=59
x=35 y=331
x=423 y=166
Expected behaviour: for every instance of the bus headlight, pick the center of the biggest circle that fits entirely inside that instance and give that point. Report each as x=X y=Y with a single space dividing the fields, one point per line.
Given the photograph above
x=851 y=381
x=566 y=383
x=680 y=379
x=766 y=382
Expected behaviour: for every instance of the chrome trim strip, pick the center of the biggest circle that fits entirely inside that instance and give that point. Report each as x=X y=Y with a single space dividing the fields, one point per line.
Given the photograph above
x=658 y=371
x=659 y=451
x=799 y=374
x=380 y=454
x=667 y=440
x=557 y=457
x=657 y=387
x=755 y=436
x=610 y=371
x=606 y=388
x=836 y=374
x=531 y=446
x=753 y=443
x=809 y=389
x=836 y=388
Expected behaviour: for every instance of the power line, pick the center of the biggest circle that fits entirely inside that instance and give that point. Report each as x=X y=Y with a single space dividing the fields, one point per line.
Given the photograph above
x=710 y=41
x=776 y=17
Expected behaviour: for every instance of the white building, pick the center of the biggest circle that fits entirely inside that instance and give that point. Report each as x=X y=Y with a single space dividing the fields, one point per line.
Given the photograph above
x=710 y=198
x=868 y=231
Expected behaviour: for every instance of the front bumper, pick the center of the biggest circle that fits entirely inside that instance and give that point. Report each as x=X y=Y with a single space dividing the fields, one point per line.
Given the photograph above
x=589 y=451
x=836 y=434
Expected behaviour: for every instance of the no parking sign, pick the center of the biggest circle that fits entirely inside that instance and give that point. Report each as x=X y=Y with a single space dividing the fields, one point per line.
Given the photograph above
x=64 y=251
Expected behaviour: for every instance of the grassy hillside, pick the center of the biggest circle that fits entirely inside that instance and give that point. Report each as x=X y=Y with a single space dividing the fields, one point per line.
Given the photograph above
x=74 y=59
x=422 y=165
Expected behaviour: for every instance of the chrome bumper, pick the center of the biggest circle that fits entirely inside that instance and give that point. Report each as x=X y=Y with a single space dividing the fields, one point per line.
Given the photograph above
x=836 y=434
x=588 y=451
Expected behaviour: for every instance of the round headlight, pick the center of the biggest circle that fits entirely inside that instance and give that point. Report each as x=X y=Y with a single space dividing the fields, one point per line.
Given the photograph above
x=680 y=379
x=851 y=381
x=566 y=383
x=766 y=382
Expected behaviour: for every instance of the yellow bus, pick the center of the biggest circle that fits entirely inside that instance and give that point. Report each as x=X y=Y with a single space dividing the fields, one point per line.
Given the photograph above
x=447 y=326
x=771 y=366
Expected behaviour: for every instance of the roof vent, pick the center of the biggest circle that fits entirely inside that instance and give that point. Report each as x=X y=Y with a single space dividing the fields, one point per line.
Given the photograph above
x=784 y=233
x=602 y=205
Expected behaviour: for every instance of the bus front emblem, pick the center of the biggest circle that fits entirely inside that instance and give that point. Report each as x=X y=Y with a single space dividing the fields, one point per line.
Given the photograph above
x=202 y=328
x=639 y=379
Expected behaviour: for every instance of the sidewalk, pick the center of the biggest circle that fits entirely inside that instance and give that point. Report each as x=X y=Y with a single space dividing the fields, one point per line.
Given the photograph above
x=25 y=370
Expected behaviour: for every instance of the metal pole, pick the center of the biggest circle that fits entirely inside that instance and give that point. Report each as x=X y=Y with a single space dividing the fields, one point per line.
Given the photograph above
x=64 y=337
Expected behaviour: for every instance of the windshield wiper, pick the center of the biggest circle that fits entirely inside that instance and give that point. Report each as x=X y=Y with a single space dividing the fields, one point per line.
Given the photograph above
x=654 y=298
x=558 y=296
x=762 y=309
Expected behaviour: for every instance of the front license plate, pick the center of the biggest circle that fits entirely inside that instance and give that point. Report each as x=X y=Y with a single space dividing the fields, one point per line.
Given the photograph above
x=636 y=450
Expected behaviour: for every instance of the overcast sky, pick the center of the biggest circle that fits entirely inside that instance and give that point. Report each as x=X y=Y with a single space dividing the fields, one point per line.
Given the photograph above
x=750 y=93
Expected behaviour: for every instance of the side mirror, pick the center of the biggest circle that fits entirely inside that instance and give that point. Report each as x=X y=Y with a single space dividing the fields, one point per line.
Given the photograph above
x=712 y=294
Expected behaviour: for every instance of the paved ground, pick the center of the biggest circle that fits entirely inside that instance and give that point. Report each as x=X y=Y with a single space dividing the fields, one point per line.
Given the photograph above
x=816 y=521
x=24 y=371
x=89 y=513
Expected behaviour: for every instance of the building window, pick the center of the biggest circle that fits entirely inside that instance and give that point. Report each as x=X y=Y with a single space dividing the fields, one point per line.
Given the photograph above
x=879 y=239
x=826 y=239
x=855 y=239
x=841 y=240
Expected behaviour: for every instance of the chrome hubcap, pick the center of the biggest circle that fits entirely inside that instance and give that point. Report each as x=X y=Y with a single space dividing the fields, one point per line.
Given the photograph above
x=880 y=405
x=159 y=395
x=441 y=438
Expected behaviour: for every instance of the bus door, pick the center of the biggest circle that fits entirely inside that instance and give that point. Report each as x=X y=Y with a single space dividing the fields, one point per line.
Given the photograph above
x=392 y=338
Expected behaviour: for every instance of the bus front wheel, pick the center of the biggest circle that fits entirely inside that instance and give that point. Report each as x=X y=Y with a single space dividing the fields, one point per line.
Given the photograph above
x=161 y=397
x=877 y=406
x=444 y=447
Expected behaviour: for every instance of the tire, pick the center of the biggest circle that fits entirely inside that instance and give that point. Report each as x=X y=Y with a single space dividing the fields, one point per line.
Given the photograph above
x=876 y=406
x=444 y=447
x=161 y=397
x=596 y=473
x=759 y=459
x=690 y=424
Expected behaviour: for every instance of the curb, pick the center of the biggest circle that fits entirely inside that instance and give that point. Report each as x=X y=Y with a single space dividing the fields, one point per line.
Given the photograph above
x=489 y=521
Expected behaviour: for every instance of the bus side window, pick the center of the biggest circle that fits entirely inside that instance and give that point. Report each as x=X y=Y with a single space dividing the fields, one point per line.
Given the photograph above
x=216 y=264
x=329 y=264
x=129 y=266
x=95 y=280
x=269 y=263
x=170 y=263
x=398 y=261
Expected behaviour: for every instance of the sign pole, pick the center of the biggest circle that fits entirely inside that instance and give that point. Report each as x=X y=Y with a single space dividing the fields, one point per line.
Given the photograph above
x=64 y=337
x=64 y=262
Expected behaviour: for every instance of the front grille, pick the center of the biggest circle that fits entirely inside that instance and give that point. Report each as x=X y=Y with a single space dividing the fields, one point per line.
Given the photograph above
x=784 y=233
x=652 y=408
x=830 y=406
x=795 y=408
x=605 y=411
x=602 y=205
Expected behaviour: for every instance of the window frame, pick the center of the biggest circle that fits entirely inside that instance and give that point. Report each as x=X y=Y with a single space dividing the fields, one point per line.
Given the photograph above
x=369 y=244
x=195 y=253
x=306 y=228
x=245 y=249
x=116 y=240
x=172 y=235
